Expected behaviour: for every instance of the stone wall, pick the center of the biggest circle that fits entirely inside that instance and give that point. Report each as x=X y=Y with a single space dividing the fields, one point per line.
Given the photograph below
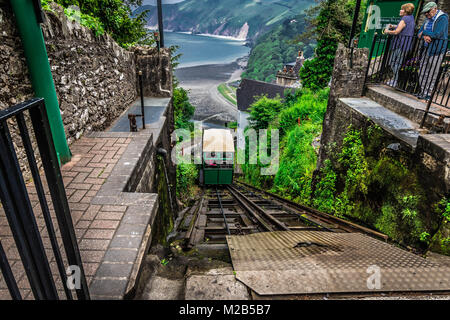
x=347 y=81
x=155 y=64
x=95 y=79
x=15 y=85
x=427 y=162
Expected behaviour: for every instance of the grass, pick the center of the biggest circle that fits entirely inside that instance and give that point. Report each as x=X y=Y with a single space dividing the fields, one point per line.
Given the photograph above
x=227 y=92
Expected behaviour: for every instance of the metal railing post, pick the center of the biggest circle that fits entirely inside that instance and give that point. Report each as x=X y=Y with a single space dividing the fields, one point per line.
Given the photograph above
x=160 y=24
x=141 y=88
x=427 y=110
x=368 y=64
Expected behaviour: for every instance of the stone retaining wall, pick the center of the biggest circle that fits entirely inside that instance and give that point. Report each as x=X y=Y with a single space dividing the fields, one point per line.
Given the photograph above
x=427 y=160
x=95 y=79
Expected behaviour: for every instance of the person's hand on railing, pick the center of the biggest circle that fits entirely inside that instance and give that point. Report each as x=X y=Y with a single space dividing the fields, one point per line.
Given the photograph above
x=427 y=39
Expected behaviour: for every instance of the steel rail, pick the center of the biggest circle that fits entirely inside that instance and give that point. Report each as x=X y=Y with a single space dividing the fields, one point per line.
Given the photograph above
x=223 y=213
x=268 y=216
x=321 y=215
x=249 y=210
x=295 y=212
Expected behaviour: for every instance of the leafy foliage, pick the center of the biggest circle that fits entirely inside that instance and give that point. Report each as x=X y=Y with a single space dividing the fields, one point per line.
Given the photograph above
x=331 y=23
x=85 y=20
x=183 y=110
x=380 y=191
x=263 y=111
x=187 y=174
x=112 y=16
x=297 y=155
x=276 y=48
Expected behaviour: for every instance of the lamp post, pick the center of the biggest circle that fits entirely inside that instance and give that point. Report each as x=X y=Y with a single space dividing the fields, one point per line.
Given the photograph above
x=160 y=25
x=355 y=21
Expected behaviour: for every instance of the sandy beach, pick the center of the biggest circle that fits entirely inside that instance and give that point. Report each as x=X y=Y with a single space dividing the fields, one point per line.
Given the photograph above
x=202 y=82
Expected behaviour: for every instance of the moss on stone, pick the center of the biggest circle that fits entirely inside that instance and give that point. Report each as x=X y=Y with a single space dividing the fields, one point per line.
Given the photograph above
x=164 y=219
x=376 y=186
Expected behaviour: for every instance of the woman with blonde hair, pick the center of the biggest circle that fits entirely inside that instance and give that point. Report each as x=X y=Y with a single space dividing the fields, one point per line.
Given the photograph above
x=404 y=33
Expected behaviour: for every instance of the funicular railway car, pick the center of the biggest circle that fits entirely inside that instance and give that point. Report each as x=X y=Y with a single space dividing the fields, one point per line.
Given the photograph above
x=217 y=157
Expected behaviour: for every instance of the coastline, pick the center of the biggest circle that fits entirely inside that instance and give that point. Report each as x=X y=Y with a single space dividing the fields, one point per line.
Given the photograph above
x=202 y=81
x=224 y=72
x=231 y=38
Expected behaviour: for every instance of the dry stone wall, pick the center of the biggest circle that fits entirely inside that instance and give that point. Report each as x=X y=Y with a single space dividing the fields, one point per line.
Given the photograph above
x=95 y=79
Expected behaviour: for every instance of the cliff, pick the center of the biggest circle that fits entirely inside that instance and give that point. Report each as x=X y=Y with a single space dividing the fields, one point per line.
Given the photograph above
x=241 y=19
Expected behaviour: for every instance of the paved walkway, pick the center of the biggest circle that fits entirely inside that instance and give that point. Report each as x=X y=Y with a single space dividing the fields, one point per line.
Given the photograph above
x=92 y=162
x=112 y=223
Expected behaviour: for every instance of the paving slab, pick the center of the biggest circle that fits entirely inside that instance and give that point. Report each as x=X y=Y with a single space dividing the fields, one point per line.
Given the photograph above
x=215 y=284
x=112 y=226
x=154 y=108
x=161 y=288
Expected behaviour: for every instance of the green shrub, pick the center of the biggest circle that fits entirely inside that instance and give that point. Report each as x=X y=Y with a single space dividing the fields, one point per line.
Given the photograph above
x=111 y=16
x=183 y=109
x=187 y=175
x=85 y=20
x=297 y=154
x=263 y=111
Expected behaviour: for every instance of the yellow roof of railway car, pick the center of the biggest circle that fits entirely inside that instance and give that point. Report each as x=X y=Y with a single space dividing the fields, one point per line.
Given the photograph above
x=218 y=140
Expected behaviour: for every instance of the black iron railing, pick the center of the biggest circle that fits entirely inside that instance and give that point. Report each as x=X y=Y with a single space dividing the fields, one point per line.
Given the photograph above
x=412 y=65
x=19 y=212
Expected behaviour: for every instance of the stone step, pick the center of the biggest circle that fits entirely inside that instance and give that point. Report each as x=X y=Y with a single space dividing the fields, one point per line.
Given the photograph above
x=397 y=125
x=406 y=105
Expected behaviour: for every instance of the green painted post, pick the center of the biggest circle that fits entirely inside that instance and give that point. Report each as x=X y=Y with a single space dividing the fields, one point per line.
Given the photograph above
x=40 y=72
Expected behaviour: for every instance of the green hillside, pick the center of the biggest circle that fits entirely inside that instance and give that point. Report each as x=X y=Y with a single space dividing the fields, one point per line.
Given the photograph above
x=276 y=48
x=226 y=17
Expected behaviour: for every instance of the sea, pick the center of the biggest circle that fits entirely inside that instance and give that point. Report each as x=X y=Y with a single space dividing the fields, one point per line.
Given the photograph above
x=199 y=50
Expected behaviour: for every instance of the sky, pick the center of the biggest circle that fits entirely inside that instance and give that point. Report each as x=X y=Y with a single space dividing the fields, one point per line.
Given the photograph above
x=153 y=2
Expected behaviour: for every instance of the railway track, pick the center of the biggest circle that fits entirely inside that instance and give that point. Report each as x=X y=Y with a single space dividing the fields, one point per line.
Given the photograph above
x=241 y=209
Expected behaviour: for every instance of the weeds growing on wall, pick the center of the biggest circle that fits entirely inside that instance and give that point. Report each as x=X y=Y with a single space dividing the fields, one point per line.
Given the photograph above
x=299 y=120
x=441 y=240
x=187 y=173
x=363 y=180
x=183 y=109
x=378 y=189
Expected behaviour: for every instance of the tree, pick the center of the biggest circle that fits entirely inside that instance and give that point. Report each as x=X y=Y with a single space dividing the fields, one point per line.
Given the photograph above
x=116 y=18
x=263 y=111
x=331 y=24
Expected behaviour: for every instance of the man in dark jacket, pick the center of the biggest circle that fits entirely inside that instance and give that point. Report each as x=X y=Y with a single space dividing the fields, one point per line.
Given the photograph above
x=434 y=32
